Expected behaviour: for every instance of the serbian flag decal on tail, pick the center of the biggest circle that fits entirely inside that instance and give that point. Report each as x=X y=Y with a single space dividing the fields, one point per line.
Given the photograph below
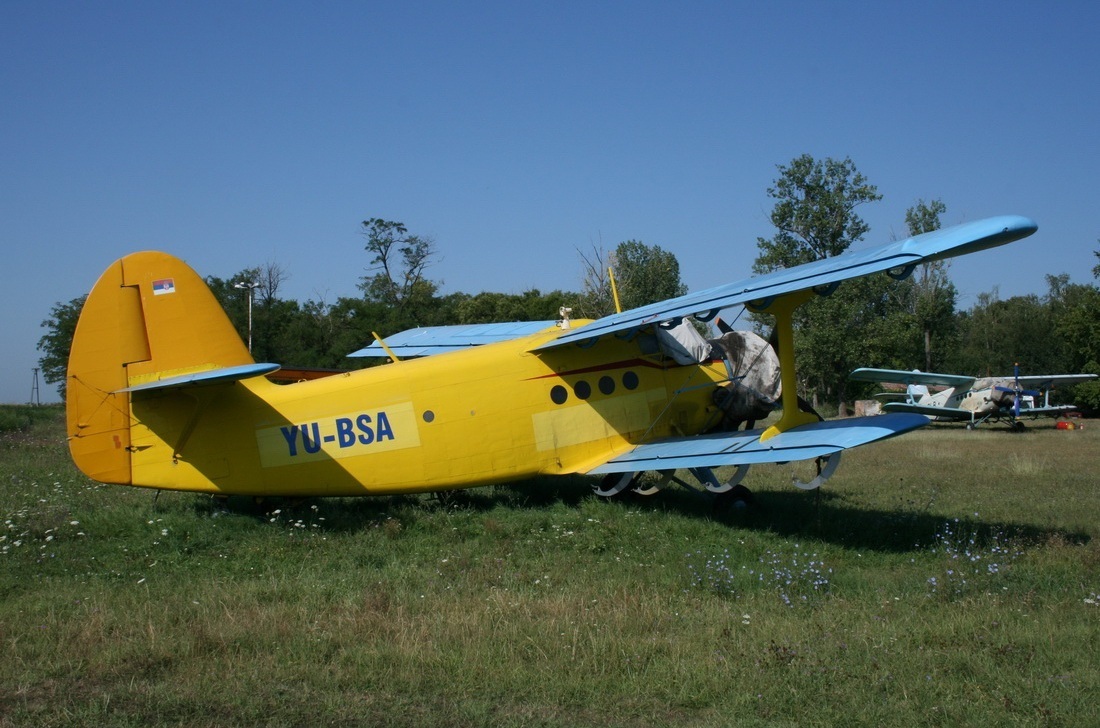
x=164 y=285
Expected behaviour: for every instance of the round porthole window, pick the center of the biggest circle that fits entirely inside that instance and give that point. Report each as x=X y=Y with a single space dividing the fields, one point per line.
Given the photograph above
x=582 y=389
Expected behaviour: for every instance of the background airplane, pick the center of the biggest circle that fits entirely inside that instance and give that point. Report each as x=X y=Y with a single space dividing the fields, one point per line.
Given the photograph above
x=970 y=399
x=162 y=392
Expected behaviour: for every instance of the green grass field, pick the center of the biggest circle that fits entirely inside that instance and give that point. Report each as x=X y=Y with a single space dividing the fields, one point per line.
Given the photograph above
x=942 y=578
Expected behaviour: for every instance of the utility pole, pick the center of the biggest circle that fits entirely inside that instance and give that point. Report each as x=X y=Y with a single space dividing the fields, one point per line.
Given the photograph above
x=36 y=398
x=250 y=286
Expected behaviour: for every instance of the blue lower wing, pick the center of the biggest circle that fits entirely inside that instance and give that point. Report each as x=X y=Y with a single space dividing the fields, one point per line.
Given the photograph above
x=744 y=448
x=928 y=411
x=1052 y=410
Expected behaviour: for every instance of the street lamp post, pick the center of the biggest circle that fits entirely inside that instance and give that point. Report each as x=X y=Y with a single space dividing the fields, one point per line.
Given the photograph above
x=250 y=286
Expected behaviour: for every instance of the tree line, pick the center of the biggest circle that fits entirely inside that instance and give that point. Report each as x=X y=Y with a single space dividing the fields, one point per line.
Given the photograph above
x=872 y=321
x=913 y=324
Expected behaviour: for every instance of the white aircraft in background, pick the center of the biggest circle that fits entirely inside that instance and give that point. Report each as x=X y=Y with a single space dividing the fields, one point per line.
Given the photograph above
x=971 y=399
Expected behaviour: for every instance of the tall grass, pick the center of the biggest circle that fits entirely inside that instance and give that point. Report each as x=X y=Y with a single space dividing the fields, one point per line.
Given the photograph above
x=538 y=604
x=14 y=418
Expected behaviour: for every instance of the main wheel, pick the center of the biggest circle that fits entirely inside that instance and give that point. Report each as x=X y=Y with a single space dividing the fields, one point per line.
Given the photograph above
x=738 y=498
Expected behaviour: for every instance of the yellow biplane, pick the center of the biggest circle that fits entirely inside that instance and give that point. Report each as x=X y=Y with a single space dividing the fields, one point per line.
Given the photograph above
x=162 y=393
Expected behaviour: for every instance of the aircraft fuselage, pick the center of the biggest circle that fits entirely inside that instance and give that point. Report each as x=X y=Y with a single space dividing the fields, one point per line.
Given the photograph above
x=491 y=414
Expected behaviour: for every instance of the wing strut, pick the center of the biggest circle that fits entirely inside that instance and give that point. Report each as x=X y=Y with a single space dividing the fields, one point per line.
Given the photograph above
x=389 y=352
x=614 y=291
x=783 y=309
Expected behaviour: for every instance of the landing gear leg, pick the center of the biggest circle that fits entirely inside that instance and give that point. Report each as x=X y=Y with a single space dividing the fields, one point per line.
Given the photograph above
x=615 y=484
x=824 y=472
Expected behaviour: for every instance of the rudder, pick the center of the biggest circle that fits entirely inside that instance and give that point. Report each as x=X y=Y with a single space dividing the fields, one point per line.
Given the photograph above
x=148 y=317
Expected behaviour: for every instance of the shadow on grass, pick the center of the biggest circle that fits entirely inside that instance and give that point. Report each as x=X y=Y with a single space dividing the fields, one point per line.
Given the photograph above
x=816 y=515
x=828 y=517
x=539 y=493
x=1031 y=425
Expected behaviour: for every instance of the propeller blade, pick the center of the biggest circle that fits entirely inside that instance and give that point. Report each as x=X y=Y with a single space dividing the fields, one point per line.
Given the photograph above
x=1020 y=391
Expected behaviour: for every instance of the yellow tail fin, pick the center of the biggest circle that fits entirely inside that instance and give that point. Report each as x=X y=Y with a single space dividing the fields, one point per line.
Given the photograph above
x=149 y=318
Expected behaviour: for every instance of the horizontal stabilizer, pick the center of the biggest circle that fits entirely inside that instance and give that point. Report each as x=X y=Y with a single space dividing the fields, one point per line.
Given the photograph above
x=441 y=339
x=211 y=376
x=814 y=440
x=900 y=376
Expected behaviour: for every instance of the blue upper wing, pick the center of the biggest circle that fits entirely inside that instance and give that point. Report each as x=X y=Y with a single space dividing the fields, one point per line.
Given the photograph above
x=900 y=376
x=440 y=339
x=1050 y=381
x=959 y=240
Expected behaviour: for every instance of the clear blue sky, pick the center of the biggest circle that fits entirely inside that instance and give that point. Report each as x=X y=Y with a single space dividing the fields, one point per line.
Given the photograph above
x=233 y=134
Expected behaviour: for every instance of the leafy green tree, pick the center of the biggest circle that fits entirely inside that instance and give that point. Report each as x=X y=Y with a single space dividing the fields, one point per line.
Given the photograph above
x=398 y=264
x=924 y=217
x=1076 y=314
x=234 y=300
x=1078 y=325
x=1087 y=394
x=308 y=337
x=322 y=335
x=643 y=273
x=355 y=320
x=596 y=299
x=995 y=334
x=397 y=276
x=934 y=295
x=816 y=219
x=270 y=314
x=532 y=305
x=1054 y=334
x=56 y=343
x=814 y=212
